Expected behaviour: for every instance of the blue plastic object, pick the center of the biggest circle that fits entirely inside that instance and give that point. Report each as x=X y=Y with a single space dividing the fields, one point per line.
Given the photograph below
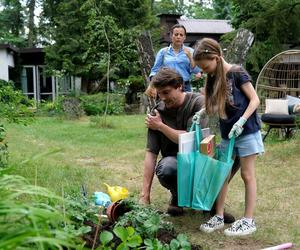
x=102 y=199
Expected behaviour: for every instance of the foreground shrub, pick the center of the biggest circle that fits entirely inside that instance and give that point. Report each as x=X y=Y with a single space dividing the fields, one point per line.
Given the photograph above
x=29 y=220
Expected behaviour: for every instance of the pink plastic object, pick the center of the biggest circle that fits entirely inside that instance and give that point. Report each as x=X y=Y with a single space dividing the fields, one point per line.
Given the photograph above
x=280 y=247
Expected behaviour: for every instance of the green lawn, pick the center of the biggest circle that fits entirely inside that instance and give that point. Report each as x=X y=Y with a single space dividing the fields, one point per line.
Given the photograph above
x=63 y=155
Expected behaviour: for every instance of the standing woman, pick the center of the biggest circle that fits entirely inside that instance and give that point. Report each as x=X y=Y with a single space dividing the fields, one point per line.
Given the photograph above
x=178 y=57
x=230 y=93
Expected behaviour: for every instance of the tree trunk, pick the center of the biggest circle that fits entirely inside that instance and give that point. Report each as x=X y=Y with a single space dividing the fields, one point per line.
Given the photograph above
x=31 y=26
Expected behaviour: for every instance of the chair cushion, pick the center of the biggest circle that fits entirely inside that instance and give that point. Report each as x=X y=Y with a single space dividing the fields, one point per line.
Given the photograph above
x=278 y=119
x=277 y=106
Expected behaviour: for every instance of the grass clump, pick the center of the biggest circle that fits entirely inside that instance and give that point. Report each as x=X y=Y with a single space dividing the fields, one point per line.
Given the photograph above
x=29 y=219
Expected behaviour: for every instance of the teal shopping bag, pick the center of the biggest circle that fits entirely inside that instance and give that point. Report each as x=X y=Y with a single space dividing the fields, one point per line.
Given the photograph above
x=200 y=177
x=210 y=175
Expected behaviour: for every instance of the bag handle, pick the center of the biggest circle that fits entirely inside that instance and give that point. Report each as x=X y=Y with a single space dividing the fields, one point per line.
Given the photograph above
x=197 y=128
x=229 y=150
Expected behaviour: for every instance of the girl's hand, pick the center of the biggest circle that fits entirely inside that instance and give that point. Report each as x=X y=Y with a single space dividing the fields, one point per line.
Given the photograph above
x=237 y=128
x=200 y=115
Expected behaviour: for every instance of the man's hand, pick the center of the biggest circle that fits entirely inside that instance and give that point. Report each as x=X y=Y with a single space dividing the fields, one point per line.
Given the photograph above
x=144 y=199
x=153 y=122
x=237 y=128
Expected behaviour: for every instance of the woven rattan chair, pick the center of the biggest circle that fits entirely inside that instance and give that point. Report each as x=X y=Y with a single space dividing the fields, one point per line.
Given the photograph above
x=279 y=77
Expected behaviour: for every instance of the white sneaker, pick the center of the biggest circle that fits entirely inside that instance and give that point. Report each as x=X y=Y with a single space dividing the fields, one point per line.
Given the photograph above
x=214 y=223
x=240 y=228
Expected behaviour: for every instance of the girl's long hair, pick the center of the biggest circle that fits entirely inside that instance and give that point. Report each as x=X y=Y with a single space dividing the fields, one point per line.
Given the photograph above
x=216 y=90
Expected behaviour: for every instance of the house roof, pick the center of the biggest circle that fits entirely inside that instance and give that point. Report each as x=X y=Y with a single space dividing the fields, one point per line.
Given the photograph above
x=31 y=50
x=206 y=26
x=8 y=47
x=21 y=50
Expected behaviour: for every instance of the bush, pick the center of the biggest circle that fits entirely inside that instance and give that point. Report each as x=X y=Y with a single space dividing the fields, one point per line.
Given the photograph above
x=96 y=104
x=49 y=108
x=65 y=106
x=3 y=148
x=14 y=106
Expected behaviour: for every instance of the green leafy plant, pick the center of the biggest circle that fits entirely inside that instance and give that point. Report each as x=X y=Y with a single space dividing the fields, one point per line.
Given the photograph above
x=181 y=242
x=50 y=108
x=14 y=106
x=129 y=237
x=80 y=210
x=96 y=104
x=146 y=220
x=155 y=244
x=29 y=219
x=105 y=238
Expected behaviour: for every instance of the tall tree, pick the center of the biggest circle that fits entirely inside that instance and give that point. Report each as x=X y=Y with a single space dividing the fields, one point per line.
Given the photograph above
x=79 y=44
x=31 y=25
x=200 y=10
x=68 y=23
x=12 y=22
x=222 y=9
x=47 y=21
x=169 y=7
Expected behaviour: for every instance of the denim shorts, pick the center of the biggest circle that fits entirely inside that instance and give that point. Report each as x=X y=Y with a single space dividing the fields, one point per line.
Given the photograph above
x=246 y=145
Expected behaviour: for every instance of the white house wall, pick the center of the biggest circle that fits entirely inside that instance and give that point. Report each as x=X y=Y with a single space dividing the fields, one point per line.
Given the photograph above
x=6 y=61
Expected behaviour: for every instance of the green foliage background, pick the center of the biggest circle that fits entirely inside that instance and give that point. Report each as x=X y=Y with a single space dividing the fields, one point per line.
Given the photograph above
x=73 y=31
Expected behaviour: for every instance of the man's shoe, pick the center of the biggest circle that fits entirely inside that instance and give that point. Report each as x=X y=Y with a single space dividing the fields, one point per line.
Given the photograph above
x=228 y=218
x=174 y=210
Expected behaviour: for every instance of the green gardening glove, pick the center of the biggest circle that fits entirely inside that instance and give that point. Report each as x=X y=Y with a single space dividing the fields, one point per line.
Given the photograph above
x=201 y=114
x=237 y=128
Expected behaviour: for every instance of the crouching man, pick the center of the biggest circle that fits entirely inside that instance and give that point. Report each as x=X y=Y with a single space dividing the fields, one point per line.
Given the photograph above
x=172 y=115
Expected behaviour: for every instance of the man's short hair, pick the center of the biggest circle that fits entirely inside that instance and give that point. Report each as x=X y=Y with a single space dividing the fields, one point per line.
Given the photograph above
x=167 y=77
